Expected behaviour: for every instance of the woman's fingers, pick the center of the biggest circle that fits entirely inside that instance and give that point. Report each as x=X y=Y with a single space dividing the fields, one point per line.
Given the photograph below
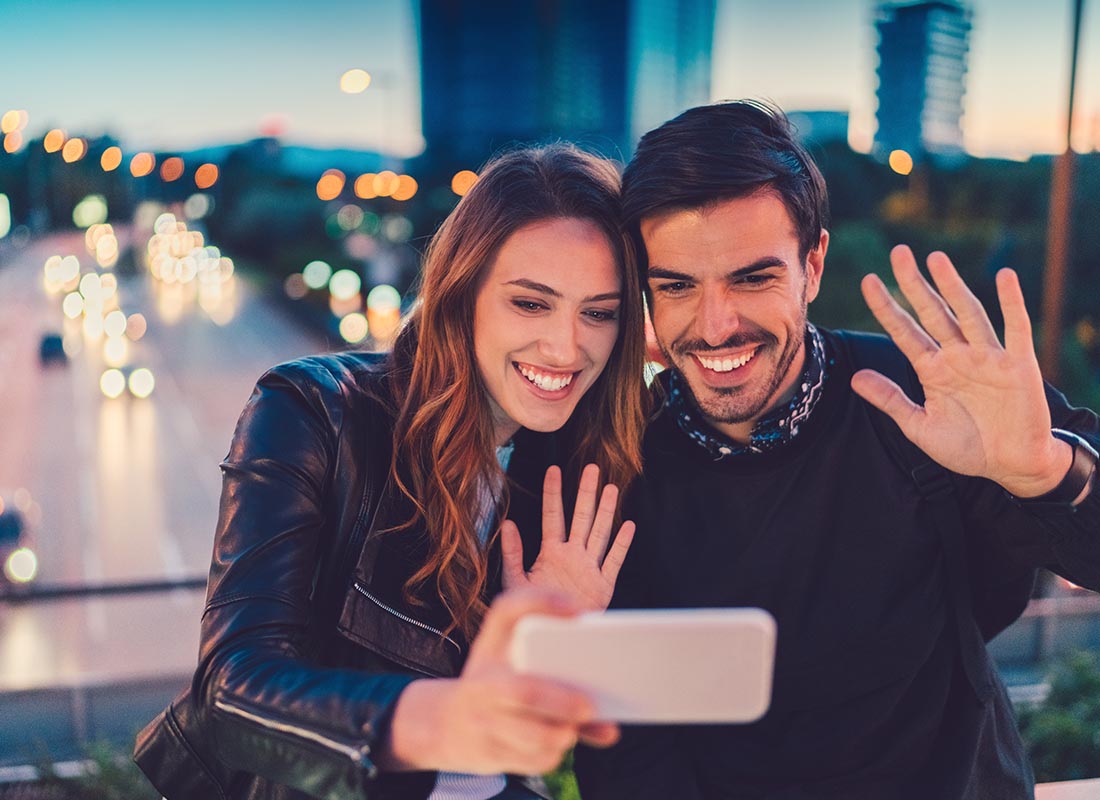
x=511 y=551
x=585 y=510
x=605 y=518
x=617 y=554
x=553 y=516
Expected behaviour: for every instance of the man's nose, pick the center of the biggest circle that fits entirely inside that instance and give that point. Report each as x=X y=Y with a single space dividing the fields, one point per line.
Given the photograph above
x=716 y=317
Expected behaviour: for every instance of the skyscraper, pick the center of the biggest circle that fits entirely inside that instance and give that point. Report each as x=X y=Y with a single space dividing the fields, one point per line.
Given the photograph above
x=495 y=72
x=922 y=54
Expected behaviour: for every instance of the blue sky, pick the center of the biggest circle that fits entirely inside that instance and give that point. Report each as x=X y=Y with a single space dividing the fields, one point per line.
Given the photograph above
x=163 y=75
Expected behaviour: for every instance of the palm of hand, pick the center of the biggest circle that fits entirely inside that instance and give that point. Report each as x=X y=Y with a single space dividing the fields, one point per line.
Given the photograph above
x=985 y=411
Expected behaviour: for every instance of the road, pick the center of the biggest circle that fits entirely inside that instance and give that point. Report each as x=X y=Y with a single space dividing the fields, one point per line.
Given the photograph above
x=126 y=489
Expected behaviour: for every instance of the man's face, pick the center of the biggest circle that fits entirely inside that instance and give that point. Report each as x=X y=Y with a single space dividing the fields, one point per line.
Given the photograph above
x=729 y=297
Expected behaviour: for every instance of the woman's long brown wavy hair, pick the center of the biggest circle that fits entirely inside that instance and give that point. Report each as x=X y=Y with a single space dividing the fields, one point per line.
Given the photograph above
x=444 y=448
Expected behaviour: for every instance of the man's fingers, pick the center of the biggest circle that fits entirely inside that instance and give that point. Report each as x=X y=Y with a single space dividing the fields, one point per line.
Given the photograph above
x=910 y=337
x=617 y=554
x=1018 y=337
x=887 y=397
x=933 y=312
x=585 y=510
x=553 y=516
x=511 y=553
x=972 y=319
x=605 y=518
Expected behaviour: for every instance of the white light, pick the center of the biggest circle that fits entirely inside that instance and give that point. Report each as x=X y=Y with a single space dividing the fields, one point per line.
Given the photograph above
x=383 y=298
x=91 y=286
x=21 y=566
x=92 y=210
x=112 y=383
x=114 y=324
x=353 y=327
x=116 y=351
x=165 y=224
x=316 y=274
x=141 y=383
x=73 y=305
x=344 y=284
x=5 y=215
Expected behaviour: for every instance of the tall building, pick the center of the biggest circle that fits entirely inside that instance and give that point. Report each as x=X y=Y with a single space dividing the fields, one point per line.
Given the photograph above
x=922 y=54
x=496 y=72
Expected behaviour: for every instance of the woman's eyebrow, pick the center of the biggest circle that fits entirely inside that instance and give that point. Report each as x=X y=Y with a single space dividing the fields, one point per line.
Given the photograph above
x=542 y=288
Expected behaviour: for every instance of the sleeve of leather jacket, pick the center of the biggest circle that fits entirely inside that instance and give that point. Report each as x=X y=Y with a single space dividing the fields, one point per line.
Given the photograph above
x=270 y=710
x=1062 y=538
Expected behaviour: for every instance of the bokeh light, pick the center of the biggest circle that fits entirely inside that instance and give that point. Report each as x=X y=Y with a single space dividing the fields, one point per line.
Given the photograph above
x=13 y=141
x=385 y=183
x=364 y=186
x=116 y=351
x=206 y=176
x=74 y=150
x=111 y=159
x=92 y=210
x=142 y=164
x=406 y=188
x=316 y=274
x=114 y=324
x=12 y=121
x=112 y=383
x=136 y=326
x=349 y=217
x=171 y=169
x=901 y=162
x=197 y=206
x=354 y=328
x=354 y=81
x=73 y=305
x=54 y=140
x=463 y=181
x=295 y=286
x=5 y=215
x=21 y=566
x=330 y=184
x=344 y=284
x=141 y=383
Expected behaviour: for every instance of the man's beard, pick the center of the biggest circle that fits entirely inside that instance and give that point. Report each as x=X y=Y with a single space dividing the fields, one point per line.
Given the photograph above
x=724 y=409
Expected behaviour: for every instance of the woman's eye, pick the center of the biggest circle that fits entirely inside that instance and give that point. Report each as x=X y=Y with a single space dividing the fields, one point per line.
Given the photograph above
x=602 y=314
x=528 y=305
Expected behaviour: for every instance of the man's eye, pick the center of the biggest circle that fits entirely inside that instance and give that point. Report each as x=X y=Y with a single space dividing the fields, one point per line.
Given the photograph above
x=754 y=280
x=673 y=287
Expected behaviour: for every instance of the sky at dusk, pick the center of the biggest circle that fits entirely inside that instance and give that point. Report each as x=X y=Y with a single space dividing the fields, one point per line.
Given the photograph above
x=176 y=76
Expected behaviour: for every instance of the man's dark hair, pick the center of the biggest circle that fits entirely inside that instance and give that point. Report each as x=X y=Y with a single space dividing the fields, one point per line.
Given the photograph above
x=720 y=152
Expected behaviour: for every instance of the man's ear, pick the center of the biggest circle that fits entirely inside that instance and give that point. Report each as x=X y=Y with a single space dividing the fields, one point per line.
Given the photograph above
x=815 y=266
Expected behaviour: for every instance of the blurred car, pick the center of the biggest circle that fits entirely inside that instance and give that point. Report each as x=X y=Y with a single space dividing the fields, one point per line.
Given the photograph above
x=52 y=349
x=18 y=562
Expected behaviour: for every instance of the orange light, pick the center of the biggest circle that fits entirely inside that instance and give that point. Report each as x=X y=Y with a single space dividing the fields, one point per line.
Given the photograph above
x=385 y=183
x=171 y=169
x=12 y=121
x=901 y=162
x=13 y=141
x=74 y=150
x=142 y=164
x=206 y=176
x=110 y=159
x=54 y=140
x=463 y=181
x=406 y=188
x=364 y=186
x=330 y=184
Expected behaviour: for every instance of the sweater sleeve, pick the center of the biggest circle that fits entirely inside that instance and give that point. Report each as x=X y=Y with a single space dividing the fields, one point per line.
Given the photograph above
x=1062 y=538
x=270 y=709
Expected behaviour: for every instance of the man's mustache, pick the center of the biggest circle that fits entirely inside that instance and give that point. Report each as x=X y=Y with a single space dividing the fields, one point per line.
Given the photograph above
x=737 y=340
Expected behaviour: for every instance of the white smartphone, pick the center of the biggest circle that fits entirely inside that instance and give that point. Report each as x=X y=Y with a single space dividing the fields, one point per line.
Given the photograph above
x=708 y=665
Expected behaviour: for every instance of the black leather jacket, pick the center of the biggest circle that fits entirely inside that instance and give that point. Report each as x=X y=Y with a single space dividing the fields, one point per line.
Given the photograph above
x=306 y=639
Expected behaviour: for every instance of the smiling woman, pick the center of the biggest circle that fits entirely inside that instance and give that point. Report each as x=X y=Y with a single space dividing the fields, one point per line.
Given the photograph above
x=357 y=549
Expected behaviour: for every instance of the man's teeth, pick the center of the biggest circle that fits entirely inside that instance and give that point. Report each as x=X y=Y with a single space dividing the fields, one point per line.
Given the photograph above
x=548 y=383
x=726 y=364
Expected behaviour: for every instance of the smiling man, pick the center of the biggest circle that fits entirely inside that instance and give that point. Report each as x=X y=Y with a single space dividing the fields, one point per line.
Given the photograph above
x=887 y=501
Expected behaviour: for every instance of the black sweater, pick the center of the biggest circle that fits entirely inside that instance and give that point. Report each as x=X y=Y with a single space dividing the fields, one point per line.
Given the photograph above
x=831 y=536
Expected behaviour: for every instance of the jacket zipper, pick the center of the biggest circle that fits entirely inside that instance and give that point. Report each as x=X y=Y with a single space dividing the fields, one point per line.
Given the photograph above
x=357 y=755
x=359 y=588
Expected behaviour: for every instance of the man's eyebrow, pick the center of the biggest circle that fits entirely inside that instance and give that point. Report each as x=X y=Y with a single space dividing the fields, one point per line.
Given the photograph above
x=760 y=264
x=542 y=288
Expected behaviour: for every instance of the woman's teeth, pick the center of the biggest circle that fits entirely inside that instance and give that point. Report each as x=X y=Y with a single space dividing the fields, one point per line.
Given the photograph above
x=548 y=383
x=726 y=364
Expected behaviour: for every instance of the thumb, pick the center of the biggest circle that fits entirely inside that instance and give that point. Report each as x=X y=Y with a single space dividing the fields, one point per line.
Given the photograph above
x=511 y=553
x=887 y=397
x=495 y=636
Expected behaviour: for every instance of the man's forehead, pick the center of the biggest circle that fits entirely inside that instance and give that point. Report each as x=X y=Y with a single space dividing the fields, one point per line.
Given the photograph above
x=757 y=220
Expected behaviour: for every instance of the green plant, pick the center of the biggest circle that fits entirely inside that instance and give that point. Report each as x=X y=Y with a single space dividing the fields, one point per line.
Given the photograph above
x=562 y=782
x=1062 y=734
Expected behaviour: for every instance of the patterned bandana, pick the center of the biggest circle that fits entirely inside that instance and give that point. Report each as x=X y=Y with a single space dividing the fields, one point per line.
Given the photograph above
x=770 y=431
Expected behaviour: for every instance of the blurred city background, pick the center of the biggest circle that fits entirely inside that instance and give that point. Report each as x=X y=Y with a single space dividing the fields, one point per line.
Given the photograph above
x=191 y=193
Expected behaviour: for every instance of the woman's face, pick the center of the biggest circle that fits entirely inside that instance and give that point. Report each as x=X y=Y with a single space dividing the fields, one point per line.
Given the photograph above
x=545 y=322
